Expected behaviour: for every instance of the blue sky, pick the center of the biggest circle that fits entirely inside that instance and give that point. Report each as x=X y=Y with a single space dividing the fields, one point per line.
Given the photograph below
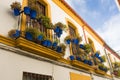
x=103 y=16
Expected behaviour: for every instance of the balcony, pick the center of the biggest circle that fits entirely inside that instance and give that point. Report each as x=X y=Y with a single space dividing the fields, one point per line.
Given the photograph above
x=81 y=65
x=37 y=49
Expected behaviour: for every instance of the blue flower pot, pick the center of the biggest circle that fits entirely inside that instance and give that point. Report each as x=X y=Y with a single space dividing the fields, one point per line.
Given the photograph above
x=81 y=46
x=16 y=12
x=56 y=30
x=90 y=63
x=44 y=43
x=72 y=57
x=59 y=49
x=58 y=35
x=78 y=58
x=49 y=43
x=75 y=41
x=28 y=36
x=96 y=55
x=60 y=31
x=54 y=44
x=17 y=34
x=68 y=41
x=40 y=37
x=100 y=59
x=33 y=14
x=27 y=10
x=85 y=61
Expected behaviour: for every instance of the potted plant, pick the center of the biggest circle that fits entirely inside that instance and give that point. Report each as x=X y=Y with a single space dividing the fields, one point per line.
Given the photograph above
x=45 y=21
x=58 y=28
x=31 y=33
x=16 y=6
x=14 y=33
x=61 y=48
x=103 y=67
x=67 y=39
x=81 y=46
x=47 y=42
x=55 y=43
x=87 y=48
x=77 y=40
x=71 y=57
x=33 y=11
x=39 y=36
x=97 y=54
x=103 y=59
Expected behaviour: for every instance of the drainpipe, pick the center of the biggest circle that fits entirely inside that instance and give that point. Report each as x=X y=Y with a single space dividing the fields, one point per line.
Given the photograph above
x=109 y=62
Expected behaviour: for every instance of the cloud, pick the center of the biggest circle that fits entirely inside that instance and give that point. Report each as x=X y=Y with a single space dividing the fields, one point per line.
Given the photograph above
x=110 y=32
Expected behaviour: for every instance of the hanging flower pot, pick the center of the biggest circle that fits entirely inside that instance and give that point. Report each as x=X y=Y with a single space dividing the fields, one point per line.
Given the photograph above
x=54 y=44
x=68 y=41
x=56 y=30
x=40 y=37
x=33 y=14
x=28 y=36
x=58 y=35
x=16 y=12
x=90 y=63
x=27 y=10
x=44 y=43
x=85 y=61
x=59 y=49
x=49 y=43
x=78 y=58
x=75 y=41
x=71 y=57
x=14 y=33
x=96 y=55
x=81 y=46
x=60 y=31
x=17 y=34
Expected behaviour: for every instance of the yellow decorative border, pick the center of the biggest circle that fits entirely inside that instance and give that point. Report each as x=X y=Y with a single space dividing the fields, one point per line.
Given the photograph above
x=7 y=41
x=100 y=72
x=81 y=65
x=37 y=49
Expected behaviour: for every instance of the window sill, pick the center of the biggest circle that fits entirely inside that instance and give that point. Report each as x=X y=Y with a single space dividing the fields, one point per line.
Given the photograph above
x=81 y=65
x=37 y=49
x=7 y=41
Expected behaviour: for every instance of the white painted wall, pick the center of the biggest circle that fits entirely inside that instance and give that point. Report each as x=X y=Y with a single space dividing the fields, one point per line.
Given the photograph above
x=7 y=20
x=99 y=78
x=12 y=66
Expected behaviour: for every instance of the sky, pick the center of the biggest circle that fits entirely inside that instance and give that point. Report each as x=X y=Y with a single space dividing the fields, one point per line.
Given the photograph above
x=103 y=16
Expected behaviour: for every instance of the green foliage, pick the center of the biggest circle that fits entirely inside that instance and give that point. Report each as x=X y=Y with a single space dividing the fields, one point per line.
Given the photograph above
x=116 y=64
x=11 y=32
x=46 y=22
x=56 y=40
x=87 y=48
x=16 y=5
x=63 y=48
x=33 y=31
x=79 y=38
x=103 y=58
x=67 y=38
x=61 y=25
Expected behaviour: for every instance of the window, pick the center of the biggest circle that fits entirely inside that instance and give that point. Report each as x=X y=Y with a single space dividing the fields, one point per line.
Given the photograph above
x=75 y=48
x=41 y=10
x=33 y=76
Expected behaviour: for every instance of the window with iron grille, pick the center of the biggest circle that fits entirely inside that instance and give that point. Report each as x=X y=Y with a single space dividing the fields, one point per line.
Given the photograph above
x=75 y=48
x=34 y=23
x=33 y=76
